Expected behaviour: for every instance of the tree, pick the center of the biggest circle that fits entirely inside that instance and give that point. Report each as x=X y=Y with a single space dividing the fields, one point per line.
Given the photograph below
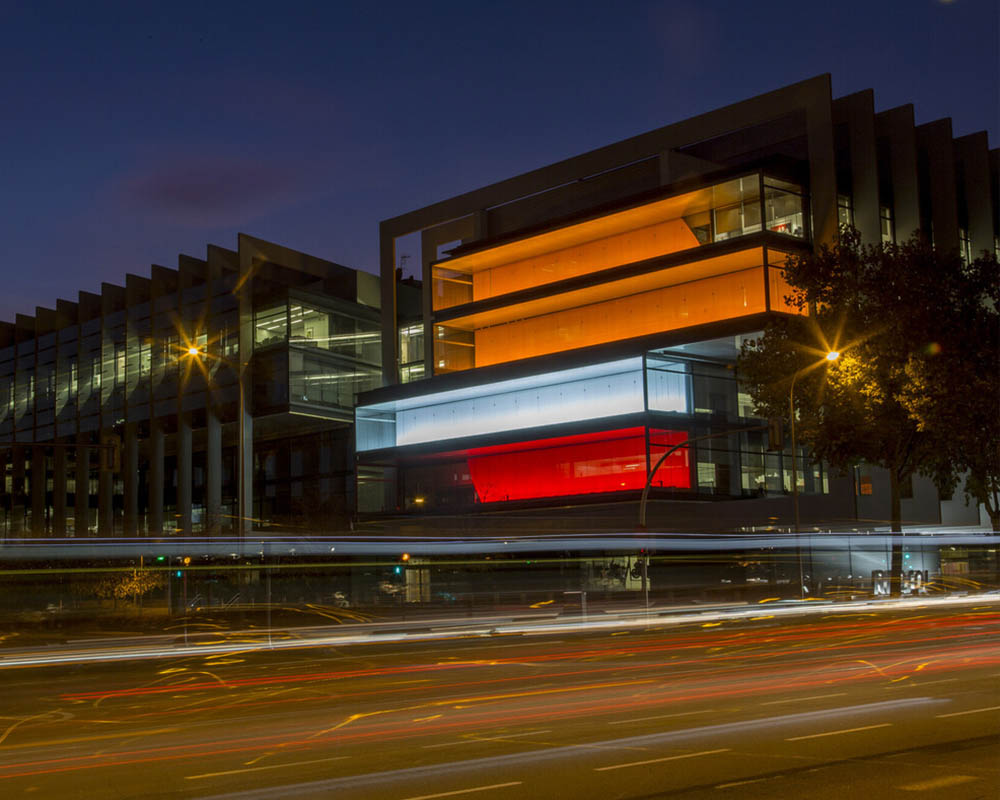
x=953 y=390
x=892 y=311
x=132 y=584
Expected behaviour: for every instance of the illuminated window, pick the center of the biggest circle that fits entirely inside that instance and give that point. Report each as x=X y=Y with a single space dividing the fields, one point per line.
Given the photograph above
x=270 y=325
x=612 y=461
x=888 y=230
x=145 y=358
x=119 y=374
x=683 y=222
x=454 y=349
x=335 y=331
x=411 y=352
x=964 y=245
x=845 y=211
x=584 y=393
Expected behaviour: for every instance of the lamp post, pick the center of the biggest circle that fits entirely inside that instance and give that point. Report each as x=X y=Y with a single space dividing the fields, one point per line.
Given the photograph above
x=833 y=355
x=238 y=369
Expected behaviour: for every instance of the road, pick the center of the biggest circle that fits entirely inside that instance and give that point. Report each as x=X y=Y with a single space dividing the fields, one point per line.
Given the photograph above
x=895 y=702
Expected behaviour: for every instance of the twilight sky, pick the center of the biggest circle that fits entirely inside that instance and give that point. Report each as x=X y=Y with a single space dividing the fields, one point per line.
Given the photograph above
x=136 y=131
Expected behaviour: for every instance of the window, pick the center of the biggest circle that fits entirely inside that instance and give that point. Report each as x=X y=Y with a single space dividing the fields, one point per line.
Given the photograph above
x=411 y=352
x=411 y=372
x=887 y=228
x=584 y=393
x=714 y=213
x=270 y=325
x=336 y=332
x=119 y=364
x=454 y=349
x=845 y=211
x=734 y=219
x=145 y=358
x=964 y=245
x=314 y=379
x=46 y=382
x=784 y=204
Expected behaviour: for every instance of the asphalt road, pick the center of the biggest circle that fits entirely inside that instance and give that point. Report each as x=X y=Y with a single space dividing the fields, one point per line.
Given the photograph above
x=885 y=704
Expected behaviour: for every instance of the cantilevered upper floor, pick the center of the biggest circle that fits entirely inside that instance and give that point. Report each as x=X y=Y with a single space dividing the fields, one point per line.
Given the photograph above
x=681 y=226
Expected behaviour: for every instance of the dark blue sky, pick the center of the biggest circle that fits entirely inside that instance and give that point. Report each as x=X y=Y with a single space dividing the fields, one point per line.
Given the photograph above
x=131 y=135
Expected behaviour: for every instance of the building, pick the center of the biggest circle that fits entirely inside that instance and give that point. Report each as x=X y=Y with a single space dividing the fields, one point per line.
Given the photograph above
x=159 y=368
x=581 y=318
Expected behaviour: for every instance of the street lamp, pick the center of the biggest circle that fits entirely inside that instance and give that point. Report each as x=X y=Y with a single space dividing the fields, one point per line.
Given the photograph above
x=238 y=370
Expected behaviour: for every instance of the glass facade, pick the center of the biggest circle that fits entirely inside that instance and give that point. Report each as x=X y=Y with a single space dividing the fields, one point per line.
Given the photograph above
x=716 y=213
x=315 y=380
x=411 y=352
x=118 y=366
x=723 y=287
x=605 y=462
x=327 y=355
x=681 y=393
x=601 y=390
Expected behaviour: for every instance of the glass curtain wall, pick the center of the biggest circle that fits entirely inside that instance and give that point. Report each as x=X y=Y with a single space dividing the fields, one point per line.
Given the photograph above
x=685 y=398
x=716 y=213
x=330 y=355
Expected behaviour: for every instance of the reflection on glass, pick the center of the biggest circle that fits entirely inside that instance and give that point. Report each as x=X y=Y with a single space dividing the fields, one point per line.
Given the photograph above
x=784 y=210
x=411 y=352
x=454 y=349
x=270 y=325
x=335 y=332
x=315 y=380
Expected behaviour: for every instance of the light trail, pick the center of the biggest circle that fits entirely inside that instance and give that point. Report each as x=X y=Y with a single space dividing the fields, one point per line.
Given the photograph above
x=252 y=744
x=631 y=620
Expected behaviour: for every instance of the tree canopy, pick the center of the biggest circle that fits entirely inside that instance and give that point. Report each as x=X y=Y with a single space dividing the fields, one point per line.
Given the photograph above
x=915 y=387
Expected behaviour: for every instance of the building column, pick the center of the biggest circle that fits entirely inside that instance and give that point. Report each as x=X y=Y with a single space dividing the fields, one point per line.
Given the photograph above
x=105 y=500
x=81 y=501
x=130 y=479
x=245 y=431
x=38 y=486
x=213 y=472
x=59 y=491
x=17 y=491
x=156 y=456
x=184 y=474
x=4 y=516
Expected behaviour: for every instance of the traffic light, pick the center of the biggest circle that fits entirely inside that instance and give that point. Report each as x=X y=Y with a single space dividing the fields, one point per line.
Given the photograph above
x=775 y=434
x=405 y=557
